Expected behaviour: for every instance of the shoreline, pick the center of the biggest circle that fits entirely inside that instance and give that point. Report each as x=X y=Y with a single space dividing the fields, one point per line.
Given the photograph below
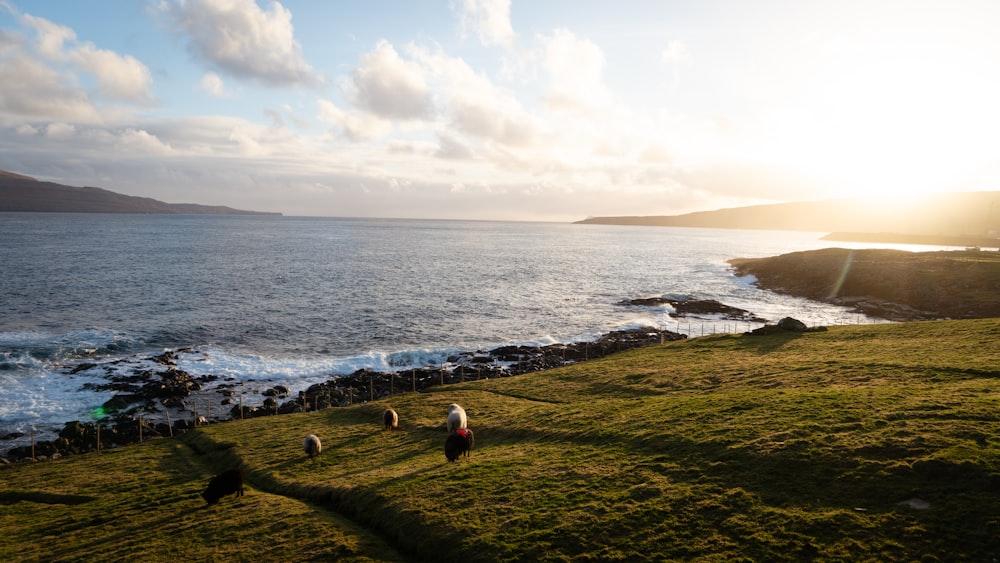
x=167 y=403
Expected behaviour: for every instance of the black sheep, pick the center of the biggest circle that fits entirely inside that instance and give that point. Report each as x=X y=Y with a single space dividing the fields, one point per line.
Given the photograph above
x=225 y=483
x=460 y=442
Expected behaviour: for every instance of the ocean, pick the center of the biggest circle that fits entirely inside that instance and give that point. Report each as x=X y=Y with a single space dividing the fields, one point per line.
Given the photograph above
x=296 y=300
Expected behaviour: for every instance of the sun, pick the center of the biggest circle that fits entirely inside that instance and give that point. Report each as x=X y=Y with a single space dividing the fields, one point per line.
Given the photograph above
x=890 y=119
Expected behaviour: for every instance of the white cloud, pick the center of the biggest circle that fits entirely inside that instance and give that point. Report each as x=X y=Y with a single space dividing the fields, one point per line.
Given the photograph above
x=120 y=77
x=575 y=68
x=32 y=90
x=354 y=126
x=475 y=105
x=489 y=20
x=237 y=37
x=51 y=37
x=140 y=141
x=675 y=54
x=390 y=87
x=212 y=83
x=59 y=130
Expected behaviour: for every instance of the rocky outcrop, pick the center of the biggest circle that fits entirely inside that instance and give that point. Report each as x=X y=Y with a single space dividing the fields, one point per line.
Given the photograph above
x=787 y=324
x=892 y=284
x=690 y=307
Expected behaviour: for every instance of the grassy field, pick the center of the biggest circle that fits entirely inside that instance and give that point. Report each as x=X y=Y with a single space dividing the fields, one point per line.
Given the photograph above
x=875 y=442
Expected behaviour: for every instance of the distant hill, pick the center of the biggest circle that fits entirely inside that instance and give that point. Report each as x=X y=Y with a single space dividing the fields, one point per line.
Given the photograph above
x=971 y=218
x=23 y=193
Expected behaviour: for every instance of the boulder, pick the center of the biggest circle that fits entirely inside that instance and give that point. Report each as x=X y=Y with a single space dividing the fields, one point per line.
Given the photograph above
x=794 y=325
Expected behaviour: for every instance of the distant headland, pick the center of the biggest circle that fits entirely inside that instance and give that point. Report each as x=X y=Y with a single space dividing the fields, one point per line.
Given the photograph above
x=947 y=219
x=26 y=194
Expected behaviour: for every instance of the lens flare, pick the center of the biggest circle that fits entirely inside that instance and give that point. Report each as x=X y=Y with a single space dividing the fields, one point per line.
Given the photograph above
x=843 y=274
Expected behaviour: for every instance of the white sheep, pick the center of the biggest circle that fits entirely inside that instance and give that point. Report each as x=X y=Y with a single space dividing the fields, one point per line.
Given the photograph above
x=456 y=418
x=390 y=419
x=312 y=446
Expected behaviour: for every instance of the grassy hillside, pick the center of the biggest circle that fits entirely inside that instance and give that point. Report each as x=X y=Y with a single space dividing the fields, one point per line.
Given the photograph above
x=861 y=443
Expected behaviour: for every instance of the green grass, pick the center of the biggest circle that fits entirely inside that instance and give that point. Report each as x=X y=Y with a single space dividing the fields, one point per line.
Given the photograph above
x=724 y=448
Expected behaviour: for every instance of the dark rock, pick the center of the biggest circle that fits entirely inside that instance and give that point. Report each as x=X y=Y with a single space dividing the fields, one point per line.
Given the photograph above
x=687 y=307
x=787 y=324
x=795 y=325
x=82 y=367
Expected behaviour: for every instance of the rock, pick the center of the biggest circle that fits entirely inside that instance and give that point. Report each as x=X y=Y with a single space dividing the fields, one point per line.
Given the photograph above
x=787 y=324
x=685 y=306
x=795 y=325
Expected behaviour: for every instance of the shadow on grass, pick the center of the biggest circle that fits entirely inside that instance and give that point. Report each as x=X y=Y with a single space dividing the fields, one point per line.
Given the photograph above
x=767 y=343
x=11 y=497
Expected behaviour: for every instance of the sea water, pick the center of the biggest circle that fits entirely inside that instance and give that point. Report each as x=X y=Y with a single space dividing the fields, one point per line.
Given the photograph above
x=297 y=300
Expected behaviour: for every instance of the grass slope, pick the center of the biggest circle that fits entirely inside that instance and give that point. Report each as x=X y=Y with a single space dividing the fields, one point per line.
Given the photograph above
x=782 y=448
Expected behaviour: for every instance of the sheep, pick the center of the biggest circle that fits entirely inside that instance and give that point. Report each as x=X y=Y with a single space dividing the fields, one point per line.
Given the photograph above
x=458 y=443
x=312 y=446
x=390 y=419
x=456 y=418
x=225 y=483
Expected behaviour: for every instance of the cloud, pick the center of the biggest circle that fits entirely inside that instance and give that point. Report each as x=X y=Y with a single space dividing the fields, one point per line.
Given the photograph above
x=238 y=38
x=575 y=68
x=453 y=149
x=139 y=141
x=51 y=37
x=120 y=77
x=43 y=68
x=675 y=55
x=212 y=83
x=355 y=126
x=33 y=90
x=475 y=105
x=390 y=87
x=489 y=20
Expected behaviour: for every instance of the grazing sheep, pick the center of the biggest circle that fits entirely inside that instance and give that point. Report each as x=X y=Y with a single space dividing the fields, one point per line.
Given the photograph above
x=225 y=483
x=460 y=442
x=456 y=418
x=390 y=419
x=312 y=446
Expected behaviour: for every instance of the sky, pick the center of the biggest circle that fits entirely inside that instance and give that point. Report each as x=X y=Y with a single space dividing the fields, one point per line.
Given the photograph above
x=541 y=110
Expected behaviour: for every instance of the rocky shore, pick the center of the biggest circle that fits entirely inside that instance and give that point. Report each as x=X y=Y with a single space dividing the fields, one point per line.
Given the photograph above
x=165 y=401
